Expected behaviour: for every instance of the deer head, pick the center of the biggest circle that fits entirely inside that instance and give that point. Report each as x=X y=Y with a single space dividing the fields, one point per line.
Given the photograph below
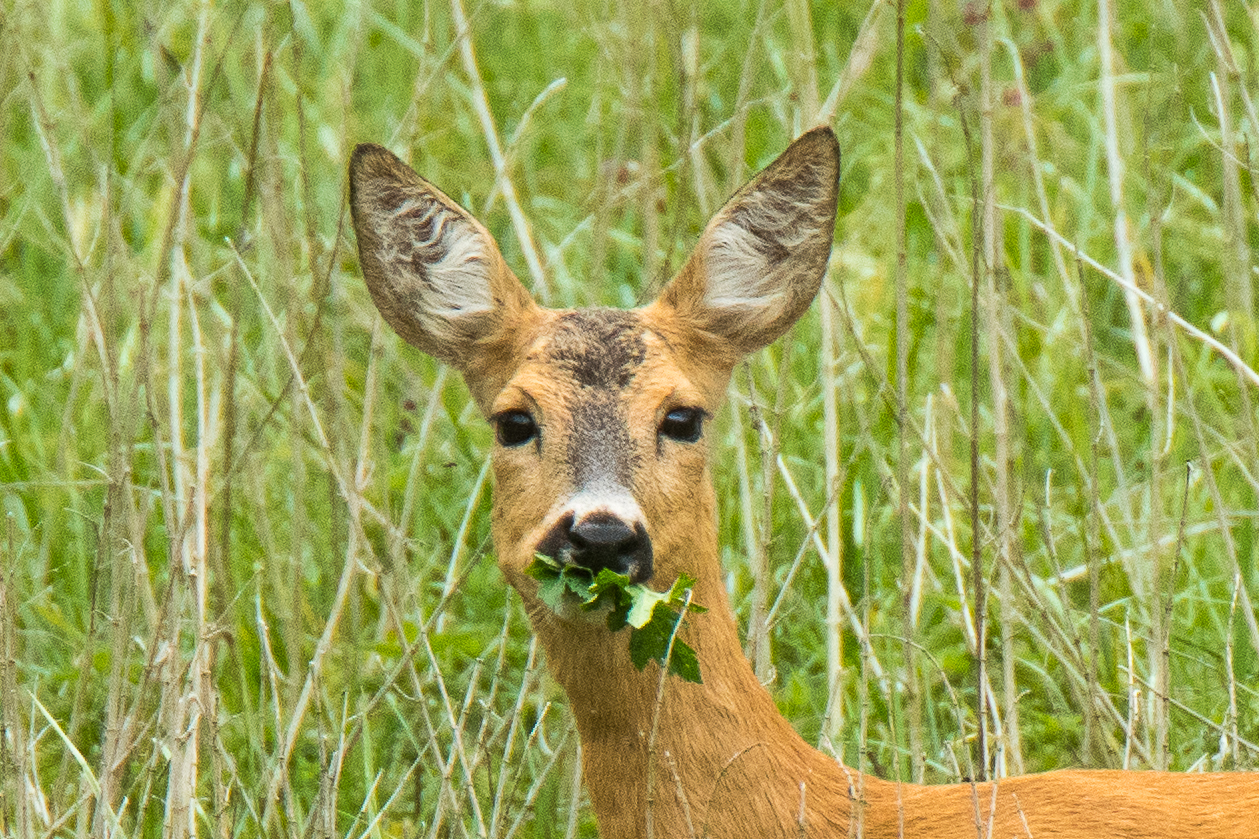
x=599 y=414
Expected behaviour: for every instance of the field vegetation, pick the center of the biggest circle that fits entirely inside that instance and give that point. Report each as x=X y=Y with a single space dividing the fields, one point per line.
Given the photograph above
x=991 y=508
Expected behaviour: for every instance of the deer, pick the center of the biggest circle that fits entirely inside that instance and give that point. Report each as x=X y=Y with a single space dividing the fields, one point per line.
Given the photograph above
x=601 y=460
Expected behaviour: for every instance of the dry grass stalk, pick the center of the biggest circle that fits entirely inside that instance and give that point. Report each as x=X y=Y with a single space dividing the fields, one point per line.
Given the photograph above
x=15 y=767
x=996 y=318
x=481 y=105
x=1162 y=310
x=1115 y=174
x=912 y=700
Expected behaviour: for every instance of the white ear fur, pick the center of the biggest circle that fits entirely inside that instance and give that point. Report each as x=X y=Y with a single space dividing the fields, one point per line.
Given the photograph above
x=445 y=257
x=761 y=260
x=744 y=251
x=738 y=273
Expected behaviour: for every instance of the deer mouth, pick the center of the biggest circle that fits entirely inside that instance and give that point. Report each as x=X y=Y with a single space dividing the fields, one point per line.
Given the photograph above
x=597 y=541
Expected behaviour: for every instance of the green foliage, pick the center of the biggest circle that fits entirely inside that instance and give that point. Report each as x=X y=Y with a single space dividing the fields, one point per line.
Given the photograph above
x=240 y=515
x=654 y=617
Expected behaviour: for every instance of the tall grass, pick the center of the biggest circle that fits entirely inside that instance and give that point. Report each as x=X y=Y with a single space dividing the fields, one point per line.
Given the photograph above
x=245 y=574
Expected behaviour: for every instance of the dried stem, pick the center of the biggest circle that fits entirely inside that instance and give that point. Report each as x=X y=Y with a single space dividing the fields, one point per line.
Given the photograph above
x=917 y=757
x=1115 y=174
x=503 y=182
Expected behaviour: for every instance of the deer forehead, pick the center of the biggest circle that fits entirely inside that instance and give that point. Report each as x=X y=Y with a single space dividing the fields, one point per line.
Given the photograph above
x=595 y=349
x=600 y=381
x=597 y=357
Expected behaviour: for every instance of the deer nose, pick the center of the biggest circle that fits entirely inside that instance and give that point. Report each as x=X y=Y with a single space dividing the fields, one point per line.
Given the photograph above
x=601 y=540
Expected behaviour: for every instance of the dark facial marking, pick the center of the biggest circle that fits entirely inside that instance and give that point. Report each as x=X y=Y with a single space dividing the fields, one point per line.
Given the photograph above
x=600 y=448
x=600 y=348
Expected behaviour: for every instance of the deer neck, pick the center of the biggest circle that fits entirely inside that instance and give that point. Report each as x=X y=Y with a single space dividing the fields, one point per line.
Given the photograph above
x=712 y=742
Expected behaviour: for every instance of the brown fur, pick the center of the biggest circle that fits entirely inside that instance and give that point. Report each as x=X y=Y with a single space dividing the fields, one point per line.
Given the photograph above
x=598 y=383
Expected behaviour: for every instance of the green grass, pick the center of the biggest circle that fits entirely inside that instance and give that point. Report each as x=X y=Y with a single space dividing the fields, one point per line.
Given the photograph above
x=245 y=558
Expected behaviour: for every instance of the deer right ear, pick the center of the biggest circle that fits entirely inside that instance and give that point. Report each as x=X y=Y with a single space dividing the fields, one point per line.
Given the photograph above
x=761 y=259
x=433 y=271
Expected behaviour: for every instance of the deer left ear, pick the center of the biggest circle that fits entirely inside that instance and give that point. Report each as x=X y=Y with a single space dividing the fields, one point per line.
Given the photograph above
x=761 y=259
x=433 y=271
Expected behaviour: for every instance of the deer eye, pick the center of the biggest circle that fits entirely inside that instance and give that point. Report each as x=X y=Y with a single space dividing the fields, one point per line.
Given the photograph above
x=683 y=424
x=514 y=428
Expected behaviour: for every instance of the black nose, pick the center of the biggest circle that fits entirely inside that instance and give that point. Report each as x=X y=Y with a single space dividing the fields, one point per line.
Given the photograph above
x=598 y=541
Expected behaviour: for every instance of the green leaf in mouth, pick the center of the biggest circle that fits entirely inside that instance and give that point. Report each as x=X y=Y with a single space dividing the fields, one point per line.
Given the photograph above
x=652 y=616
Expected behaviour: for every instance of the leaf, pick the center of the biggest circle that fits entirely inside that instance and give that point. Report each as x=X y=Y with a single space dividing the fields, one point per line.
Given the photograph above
x=557 y=582
x=651 y=615
x=607 y=579
x=578 y=585
x=617 y=614
x=684 y=662
x=551 y=592
x=651 y=643
x=608 y=591
x=543 y=566
x=677 y=594
x=645 y=603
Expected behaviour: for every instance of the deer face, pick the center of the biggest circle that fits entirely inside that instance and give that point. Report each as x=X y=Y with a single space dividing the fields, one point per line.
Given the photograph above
x=600 y=436
x=600 y=415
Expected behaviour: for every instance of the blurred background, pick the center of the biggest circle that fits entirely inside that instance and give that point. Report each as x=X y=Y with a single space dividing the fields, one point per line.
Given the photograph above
x=991 y=508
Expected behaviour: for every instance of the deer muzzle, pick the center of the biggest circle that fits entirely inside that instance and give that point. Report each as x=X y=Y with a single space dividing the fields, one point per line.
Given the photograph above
x=600 y=539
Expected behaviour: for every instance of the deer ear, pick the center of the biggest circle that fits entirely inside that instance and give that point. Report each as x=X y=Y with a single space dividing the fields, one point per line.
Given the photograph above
x=761 y=259
x=434 y=272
